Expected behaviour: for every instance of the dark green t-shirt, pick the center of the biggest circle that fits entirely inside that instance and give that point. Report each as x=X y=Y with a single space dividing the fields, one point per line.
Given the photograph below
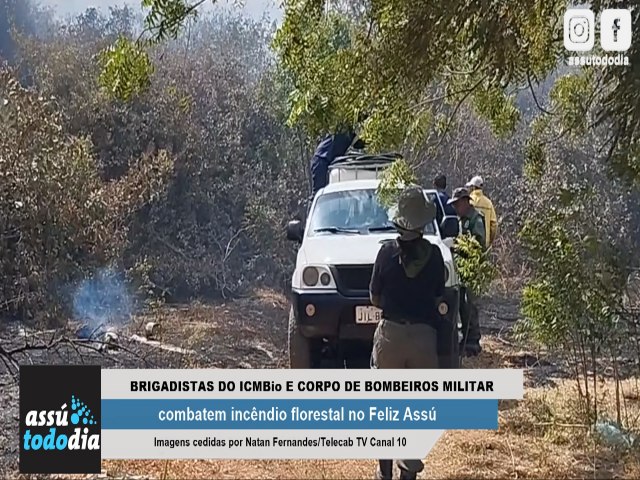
x=474 y=224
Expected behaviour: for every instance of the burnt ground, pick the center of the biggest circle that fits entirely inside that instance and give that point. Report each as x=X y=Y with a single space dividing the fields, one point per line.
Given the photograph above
x=246 y=333
x=251 y=333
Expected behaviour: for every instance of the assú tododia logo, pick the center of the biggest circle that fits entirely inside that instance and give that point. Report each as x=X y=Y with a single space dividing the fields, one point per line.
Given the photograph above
x=60 y=419
x=58 y=422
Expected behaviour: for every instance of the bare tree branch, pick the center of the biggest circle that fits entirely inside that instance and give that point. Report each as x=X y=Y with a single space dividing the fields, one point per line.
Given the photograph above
x=535 y=99
x=10 y=356
x=454 y=113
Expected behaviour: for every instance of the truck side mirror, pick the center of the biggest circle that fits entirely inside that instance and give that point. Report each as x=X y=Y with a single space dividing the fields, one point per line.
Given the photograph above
x=450 y=227
x=295 y=231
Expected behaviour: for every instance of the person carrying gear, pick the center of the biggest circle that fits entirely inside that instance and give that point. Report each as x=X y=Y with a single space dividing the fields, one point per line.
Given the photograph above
x=330 y=148
x=407 y=283
x=485 y=206
x=471 y=222
x=440 y=184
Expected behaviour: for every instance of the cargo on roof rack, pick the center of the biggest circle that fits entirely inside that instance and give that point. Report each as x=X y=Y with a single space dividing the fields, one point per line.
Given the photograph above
x=360 y=166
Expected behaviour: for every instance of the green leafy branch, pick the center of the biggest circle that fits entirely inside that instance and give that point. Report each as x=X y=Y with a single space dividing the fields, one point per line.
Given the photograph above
x=167 y=17
x=126 y=66
x=474 y=265
x=392 y=180
x=126 y=69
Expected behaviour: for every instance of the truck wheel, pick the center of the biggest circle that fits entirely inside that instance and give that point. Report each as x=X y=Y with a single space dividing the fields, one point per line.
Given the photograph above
x=299 y=345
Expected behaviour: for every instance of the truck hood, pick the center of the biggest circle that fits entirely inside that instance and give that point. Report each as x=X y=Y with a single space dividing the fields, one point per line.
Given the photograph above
x=352 y=249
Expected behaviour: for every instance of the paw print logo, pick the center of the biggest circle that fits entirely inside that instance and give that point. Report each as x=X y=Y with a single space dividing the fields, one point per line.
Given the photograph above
x=81 y=413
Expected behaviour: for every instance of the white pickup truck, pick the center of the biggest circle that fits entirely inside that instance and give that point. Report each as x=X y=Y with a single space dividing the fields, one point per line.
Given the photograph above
x=331 y=317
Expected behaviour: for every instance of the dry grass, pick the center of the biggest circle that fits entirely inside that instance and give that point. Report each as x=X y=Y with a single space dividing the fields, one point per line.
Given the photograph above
x=542 y=436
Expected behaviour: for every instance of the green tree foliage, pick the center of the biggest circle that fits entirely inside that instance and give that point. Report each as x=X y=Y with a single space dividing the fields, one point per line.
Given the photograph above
x=407 y=59
x=574 y=299
x=398 y=60
x=577 y=236
x=166 y=18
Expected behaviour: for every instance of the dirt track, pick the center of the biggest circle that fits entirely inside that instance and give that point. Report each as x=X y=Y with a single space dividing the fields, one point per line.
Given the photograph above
x=251 y=333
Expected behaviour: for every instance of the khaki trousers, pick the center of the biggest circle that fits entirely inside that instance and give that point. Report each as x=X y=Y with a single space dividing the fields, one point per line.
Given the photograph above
x=397 y=345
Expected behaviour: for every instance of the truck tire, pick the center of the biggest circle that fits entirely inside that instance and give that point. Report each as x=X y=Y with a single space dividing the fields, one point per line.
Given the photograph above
x=299 y=346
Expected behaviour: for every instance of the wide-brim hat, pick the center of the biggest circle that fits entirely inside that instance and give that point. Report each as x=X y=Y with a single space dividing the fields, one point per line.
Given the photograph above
x=459 y=194
x=414 y=211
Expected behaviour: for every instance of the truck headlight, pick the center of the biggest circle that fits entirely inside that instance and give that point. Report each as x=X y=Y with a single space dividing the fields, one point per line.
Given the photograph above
x=316 y=277
x=310 y=276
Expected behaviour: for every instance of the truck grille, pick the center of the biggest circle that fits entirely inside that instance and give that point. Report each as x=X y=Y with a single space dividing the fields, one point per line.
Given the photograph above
x=353 y=280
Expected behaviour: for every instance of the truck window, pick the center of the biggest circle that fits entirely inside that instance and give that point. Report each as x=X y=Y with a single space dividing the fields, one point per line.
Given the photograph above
x=352 y=210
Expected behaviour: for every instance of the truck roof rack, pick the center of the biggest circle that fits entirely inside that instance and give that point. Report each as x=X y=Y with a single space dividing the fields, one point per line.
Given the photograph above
x=360 y=160
x=357 y=165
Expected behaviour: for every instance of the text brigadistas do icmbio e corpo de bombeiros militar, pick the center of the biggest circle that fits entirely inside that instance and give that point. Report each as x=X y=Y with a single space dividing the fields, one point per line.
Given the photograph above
x=312 y=386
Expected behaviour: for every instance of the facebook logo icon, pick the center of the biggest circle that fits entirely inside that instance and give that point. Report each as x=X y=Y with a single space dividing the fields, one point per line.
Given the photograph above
x=615 y=30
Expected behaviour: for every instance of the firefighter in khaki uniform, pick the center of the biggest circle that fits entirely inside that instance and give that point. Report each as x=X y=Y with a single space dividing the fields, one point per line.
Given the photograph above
x=407 y=284
x=471 y=222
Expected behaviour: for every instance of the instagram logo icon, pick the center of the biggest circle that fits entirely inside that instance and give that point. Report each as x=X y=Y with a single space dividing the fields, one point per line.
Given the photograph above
x=579 y=32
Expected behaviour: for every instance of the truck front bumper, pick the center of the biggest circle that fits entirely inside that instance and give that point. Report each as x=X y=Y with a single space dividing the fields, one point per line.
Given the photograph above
x=334 y=317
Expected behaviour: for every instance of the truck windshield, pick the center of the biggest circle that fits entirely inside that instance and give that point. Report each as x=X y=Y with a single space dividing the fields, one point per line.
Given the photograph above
x=353 y=212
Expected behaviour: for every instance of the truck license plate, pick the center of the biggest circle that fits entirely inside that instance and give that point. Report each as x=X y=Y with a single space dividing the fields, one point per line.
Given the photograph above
x=368 y=315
